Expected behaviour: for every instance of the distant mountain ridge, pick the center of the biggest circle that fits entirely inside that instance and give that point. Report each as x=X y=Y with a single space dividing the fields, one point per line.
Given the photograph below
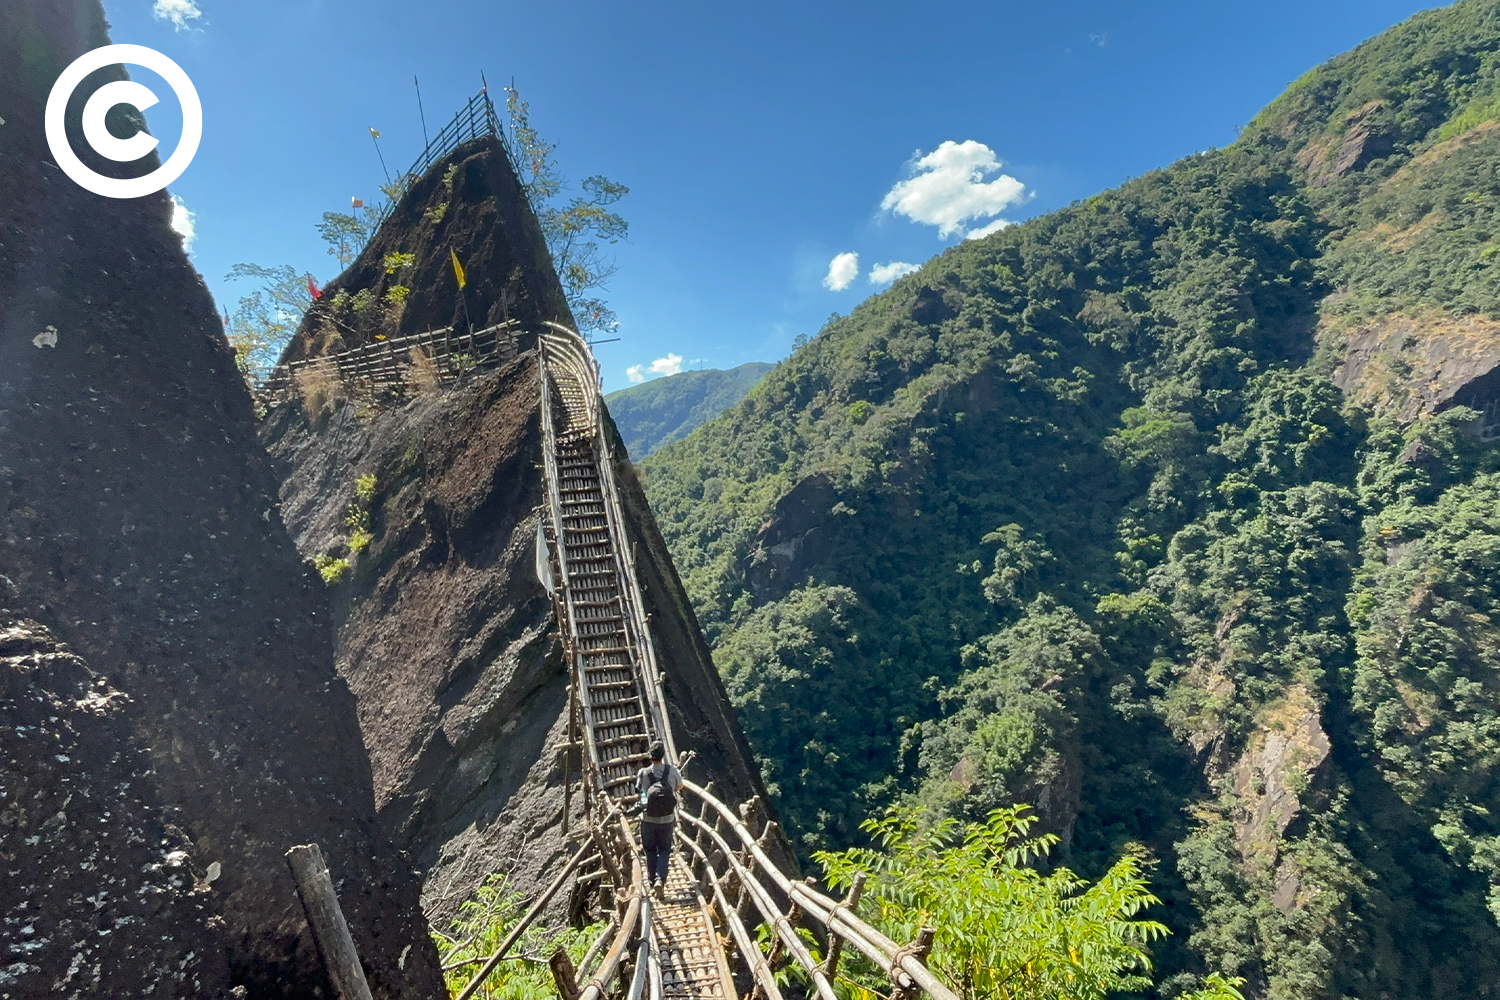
x=1174 y=515
x=668 y=409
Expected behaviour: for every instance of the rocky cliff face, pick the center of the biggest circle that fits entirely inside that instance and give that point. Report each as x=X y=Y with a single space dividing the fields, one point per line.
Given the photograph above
x=443 y=632
x=139 y=525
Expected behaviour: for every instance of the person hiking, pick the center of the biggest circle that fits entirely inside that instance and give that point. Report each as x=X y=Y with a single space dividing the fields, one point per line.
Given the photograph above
x=660 y=788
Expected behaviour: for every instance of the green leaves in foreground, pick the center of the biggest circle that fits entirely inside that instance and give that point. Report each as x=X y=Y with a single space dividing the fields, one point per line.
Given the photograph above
x=483 y=923
x=1004 y=929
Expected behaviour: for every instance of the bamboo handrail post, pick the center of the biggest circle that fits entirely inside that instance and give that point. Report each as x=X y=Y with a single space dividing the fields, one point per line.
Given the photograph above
x=610 y=966
x=326 y=919
x=836 y=942
x=563 y=974
x=903 y=984
x=778 y=946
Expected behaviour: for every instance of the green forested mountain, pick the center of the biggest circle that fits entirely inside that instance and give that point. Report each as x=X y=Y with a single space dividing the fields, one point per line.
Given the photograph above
x=1172 y=514
x=669 y=409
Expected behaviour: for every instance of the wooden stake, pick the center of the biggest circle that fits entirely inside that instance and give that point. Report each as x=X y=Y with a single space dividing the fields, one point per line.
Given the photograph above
x=564 y=974
x=330 y=931
x=831 y=964
x=903 y=987
x=572 y=740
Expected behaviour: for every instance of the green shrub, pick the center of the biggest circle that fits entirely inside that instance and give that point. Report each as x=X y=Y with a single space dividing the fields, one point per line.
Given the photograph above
x=397 y=260
x=483 y=922
x=332 y=568
x=1004 y=928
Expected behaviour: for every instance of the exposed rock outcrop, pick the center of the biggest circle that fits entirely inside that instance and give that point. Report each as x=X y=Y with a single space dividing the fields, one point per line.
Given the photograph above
x=794 y=538
x=1367 y=136
x=1275 y=771
x=1416 y=364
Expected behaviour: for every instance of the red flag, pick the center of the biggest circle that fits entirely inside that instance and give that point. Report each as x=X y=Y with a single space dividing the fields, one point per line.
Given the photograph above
x=312 y=289
x=357 y=202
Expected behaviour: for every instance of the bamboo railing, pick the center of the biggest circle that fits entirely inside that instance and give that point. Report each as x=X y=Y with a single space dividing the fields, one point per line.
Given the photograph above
x=399 y=365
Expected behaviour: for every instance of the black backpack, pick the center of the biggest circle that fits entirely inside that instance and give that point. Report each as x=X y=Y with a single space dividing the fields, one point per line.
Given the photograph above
x=660 y=801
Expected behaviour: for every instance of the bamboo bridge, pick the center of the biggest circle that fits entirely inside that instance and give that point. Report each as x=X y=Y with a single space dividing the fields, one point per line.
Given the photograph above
x=724 y=893
x=701 y=941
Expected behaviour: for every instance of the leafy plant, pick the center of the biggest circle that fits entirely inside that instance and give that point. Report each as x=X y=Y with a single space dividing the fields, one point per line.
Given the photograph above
x=346 y=233
x=574 y=230
x=333 y=569
x=364 y=487
x=1004 y=928
x=396 y=260
x=483 y=922
x=357 y=514
x=265 y=321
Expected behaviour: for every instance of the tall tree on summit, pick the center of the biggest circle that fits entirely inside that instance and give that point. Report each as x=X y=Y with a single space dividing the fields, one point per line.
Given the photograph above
x=575 y=230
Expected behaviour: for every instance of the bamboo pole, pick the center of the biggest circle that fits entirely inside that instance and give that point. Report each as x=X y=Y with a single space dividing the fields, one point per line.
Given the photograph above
x=330 y=930
x=831 y=963
x=604 y=935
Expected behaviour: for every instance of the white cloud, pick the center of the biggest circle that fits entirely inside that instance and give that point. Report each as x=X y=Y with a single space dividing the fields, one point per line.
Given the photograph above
x=669 y=365
x=842 y=271
x=993 y=227
x=884 y=274
x=182 y=223
x=947 y=187
x=179 y=12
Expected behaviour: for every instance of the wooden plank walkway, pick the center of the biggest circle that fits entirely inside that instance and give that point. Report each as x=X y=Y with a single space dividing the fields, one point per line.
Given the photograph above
x=693 y=963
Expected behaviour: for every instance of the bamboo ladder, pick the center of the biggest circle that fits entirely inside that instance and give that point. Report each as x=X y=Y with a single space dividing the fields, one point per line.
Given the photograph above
x=618 y=690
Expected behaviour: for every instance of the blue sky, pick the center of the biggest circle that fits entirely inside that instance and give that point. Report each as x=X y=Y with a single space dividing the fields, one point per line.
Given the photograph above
x=759 y=141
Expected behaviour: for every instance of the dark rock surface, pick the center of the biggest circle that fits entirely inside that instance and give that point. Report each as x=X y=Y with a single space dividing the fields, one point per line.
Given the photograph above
x=101 y=894
x=795 y=538
x=138 y=523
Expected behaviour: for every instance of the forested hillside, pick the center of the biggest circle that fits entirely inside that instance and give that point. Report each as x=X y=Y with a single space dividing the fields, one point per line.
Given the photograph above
x=668 y=409
x=1173 y=514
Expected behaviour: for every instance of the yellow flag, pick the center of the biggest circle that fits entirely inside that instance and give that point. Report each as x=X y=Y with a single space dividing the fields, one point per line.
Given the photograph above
x=374 y=134
x=458 y=269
